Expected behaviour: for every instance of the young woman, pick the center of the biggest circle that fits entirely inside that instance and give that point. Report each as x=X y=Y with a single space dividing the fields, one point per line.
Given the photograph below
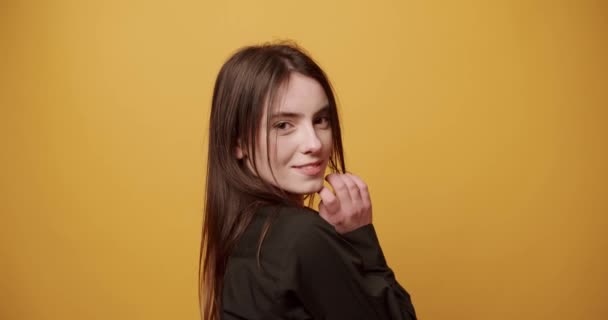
x=273 y=131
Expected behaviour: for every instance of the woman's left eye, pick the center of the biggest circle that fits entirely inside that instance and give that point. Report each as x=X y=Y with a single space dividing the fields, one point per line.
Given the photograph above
x=323 y=122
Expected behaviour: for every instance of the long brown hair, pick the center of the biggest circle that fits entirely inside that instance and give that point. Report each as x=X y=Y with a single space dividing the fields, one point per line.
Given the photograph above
x=248 y=82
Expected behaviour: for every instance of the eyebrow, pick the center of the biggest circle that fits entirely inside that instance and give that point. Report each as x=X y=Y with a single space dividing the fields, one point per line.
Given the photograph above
x=325 y=109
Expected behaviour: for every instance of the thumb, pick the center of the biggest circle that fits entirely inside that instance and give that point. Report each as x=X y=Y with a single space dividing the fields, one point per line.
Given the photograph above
x=329 y=202
x=322 y=209
x=324 y=214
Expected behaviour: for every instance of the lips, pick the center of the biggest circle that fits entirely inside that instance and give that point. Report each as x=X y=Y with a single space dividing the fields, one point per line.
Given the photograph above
x=311 y=164
x=312 y=169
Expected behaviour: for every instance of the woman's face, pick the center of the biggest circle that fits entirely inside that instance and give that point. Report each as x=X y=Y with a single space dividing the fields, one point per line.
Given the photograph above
x=300 y=138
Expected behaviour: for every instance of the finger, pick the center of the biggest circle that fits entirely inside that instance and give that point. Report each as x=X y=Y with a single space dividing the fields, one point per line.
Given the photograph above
x=363 y=190
x=353 y=187
x=328 y=200
x=323 y=211
x=353 y=190
x=340 y=188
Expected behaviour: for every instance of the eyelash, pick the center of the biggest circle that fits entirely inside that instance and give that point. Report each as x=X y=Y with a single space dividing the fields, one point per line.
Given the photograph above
x=326 y=118
x=280 y=124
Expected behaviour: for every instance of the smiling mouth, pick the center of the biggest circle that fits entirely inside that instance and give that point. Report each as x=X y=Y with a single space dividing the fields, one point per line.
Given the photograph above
x=310 y=165
x=312 y=169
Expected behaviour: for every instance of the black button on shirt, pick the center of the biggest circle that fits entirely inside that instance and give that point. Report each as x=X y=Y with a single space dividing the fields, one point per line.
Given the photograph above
x=308 y=271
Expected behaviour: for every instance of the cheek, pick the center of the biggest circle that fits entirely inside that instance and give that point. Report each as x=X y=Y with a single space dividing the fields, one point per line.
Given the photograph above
x=280 y=151
x=326 y=140
x=261 y=152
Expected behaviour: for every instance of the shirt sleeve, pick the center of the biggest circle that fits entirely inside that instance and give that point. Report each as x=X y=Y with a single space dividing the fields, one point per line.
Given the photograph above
x=344 y=276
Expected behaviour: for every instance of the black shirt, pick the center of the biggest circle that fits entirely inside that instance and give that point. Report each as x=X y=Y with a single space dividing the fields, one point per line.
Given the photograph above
x=309 y=271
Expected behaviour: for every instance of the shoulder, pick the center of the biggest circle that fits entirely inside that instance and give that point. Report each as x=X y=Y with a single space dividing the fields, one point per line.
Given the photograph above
x=300 y=229
x=305 y=236
x=294 y=218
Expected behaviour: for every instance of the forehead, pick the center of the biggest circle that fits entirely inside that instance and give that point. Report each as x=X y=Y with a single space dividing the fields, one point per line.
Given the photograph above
x=300 y=94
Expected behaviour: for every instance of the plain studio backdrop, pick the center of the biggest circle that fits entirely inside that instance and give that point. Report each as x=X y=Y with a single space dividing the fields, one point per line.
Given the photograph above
x=480 y=127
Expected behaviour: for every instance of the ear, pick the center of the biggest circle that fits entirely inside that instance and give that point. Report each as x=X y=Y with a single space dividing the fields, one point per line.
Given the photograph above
x=238 y=151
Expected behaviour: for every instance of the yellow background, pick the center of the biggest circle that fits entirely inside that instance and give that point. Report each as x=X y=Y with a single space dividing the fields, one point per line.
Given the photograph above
x=480 y=127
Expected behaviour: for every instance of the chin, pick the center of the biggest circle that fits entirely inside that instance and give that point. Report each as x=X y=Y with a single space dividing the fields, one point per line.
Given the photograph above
x=308 y=187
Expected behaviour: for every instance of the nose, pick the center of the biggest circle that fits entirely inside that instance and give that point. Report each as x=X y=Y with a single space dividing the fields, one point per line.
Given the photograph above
x=311 y=142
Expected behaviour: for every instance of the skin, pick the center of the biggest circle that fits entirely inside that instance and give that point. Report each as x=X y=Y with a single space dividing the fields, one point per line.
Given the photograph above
x=350 y=207
x=300 y=135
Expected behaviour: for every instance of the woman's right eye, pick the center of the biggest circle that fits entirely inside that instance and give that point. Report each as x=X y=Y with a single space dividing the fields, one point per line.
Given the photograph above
x=282 y=125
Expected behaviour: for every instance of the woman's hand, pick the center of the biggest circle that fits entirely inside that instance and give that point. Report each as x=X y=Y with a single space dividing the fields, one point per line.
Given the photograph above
x=350 y=208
